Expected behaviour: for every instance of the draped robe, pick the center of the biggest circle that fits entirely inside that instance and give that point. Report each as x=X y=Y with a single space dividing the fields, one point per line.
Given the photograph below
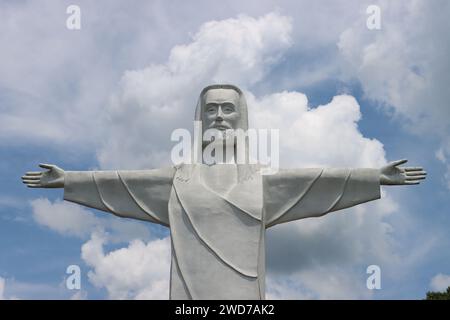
x=218 y=249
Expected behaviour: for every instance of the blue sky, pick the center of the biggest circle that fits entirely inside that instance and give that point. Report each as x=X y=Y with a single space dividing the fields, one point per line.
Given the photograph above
x=107 y=96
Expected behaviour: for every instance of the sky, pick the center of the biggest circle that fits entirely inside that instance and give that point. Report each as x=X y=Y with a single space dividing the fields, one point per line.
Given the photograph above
x=108 y=95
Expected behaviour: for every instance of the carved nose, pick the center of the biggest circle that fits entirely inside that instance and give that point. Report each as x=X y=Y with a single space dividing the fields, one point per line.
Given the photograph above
x=219 y=115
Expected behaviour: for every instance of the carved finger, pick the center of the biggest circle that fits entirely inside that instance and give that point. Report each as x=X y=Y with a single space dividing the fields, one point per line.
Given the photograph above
x=34 y=173
x=34 y=185
x=27 y=177
x=415 y=178
x=31 y=181
x=416 y=173
x=413 y=169
x=46 y=166
x=398 y=162
x=412 y=182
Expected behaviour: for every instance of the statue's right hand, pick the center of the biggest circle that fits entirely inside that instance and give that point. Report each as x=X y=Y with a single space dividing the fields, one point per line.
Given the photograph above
x=53 y=178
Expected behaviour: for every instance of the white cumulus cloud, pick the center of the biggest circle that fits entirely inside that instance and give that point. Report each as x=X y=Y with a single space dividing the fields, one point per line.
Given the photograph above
x=153 y=101
x=405 y=66
x=440 y=282
x=326 y=135
x=139 y=271
x=70 y=219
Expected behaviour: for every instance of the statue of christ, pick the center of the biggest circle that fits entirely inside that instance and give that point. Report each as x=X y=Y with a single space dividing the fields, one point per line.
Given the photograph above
x=218 y=213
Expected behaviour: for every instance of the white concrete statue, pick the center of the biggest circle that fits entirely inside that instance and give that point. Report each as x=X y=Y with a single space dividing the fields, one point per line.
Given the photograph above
x=218 y=214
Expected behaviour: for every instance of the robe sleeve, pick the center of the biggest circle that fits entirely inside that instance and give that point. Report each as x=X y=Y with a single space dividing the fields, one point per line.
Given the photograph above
x=142 y=195
x=293 y=194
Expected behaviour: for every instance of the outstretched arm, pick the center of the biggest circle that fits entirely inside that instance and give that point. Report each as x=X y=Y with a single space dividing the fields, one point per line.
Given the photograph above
x=302 y=193
x=142 y=194
x=294 y=194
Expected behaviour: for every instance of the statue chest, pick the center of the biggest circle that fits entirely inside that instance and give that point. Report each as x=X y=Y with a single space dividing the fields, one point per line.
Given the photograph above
x=214 y=190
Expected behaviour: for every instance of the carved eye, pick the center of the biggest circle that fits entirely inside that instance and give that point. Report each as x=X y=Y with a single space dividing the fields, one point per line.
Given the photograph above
x=229 y=108
x=211 y=109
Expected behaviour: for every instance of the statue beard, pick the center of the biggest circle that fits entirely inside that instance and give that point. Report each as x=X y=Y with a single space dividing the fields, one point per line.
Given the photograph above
x=225 y=140
x=224 y=137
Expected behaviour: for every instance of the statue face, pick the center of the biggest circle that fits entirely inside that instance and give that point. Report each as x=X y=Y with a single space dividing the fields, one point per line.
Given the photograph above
x=221 y=110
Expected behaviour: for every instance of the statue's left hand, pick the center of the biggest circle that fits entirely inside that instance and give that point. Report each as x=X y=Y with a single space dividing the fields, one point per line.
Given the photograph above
x=391 y=174
x=53 y=178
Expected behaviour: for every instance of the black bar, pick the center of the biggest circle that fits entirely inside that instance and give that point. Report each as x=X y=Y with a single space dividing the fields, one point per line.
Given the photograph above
x=230 y=309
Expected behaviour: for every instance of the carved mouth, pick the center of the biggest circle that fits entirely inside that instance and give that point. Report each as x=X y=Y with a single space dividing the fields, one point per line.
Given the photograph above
x=221 y=127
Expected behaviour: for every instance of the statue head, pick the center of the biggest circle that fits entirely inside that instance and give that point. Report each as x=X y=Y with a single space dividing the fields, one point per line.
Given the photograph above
x=222 y=107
